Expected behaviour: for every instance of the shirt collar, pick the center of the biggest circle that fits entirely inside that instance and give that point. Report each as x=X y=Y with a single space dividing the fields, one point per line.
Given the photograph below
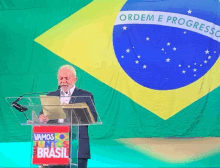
x=70 y=91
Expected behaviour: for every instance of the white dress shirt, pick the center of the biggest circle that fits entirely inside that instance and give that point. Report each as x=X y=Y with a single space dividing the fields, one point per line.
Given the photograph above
x=65 y=98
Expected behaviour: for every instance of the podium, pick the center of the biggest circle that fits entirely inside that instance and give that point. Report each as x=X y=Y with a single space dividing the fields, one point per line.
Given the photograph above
x=55 y=142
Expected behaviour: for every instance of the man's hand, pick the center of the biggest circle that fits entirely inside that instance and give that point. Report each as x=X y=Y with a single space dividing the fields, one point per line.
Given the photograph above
x=43 y=118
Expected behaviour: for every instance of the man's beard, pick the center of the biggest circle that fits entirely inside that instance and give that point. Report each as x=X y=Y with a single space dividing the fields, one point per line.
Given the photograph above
x=65 y=87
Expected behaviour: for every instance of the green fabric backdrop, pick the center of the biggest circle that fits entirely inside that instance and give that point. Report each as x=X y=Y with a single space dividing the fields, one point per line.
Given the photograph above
x=28 y=67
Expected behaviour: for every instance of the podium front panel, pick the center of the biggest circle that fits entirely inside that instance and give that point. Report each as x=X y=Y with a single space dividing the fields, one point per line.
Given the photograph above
x=51 y=145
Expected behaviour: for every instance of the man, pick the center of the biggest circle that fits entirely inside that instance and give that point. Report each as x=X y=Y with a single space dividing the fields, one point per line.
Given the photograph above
x=66 y=80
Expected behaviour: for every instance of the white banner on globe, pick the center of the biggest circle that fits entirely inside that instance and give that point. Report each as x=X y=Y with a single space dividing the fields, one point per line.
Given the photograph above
x=170 y=19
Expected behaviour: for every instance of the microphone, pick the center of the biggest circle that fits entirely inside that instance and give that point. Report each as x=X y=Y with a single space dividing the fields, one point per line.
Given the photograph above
x=59 y=86
x=19 y=107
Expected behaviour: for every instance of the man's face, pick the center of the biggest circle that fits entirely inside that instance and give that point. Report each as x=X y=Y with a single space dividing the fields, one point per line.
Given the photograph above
x=66 y=79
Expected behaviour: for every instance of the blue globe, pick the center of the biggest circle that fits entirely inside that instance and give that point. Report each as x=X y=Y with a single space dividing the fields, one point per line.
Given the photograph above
x=62 y=136
x=164 y=57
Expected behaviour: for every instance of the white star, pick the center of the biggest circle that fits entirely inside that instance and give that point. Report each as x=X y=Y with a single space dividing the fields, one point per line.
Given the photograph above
x=183 y=71
x=127 y=51
x=189 y=11
x=209 y=57
x=194 y=69
x=132 y=47
x=214 y=51
x=124 y=27
x=194 y=63
x=168 y=60
x=139 y=56
x=179 y=65
x=207 y=52
x=194 y=74
x=147 y=38
x=162 y=49
x=200 y=64
x=184 y=32
x=137 y=62
x=122 y=56
x=188 y=66
x=145 y=66
x=174 y=48
x=168 y=44
x=205 y=61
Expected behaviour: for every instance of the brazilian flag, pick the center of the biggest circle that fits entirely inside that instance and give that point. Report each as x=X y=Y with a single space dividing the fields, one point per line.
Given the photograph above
x=152 y=65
